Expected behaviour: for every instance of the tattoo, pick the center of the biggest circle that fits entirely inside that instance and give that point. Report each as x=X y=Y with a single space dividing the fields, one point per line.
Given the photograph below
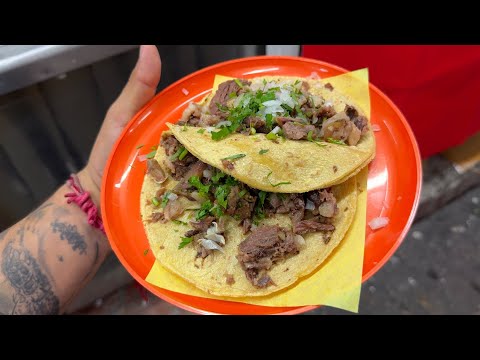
x=33 y=291
x=60 y=258
x=69 y=232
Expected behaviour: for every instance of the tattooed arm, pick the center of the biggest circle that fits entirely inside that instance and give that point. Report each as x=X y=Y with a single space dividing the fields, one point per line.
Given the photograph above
x=47 y=257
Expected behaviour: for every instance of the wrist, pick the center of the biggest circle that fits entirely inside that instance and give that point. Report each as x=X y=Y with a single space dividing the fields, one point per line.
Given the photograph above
x=90 y=185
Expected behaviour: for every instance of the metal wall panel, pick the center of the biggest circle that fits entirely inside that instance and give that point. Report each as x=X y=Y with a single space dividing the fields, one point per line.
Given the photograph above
x=47 y=129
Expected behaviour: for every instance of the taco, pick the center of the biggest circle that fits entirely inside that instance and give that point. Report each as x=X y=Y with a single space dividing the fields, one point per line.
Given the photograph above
x=230 y=239
x=308 y=133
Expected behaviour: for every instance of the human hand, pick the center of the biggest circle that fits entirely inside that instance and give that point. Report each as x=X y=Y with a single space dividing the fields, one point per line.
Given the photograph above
x=139 y=89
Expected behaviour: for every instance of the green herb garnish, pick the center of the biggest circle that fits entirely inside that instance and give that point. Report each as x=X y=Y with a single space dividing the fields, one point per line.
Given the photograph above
x=151 y=155
x=155 y=201
x=178 y=222
x=165 y=200
x=309 y=138
x=258 y=211
x=221 y=195
x=184 y=128
x=202 y=189
x=239 y=83
x=232 y=95
x=201 y=131
x=278 y=184
x=183 y=154
x=177 y=153
x=263 y=151
x=216 y=211
x=334 y=141
x=271 y=136
x=269 y=120
x=204 y=210
x=219 y=135
x=242 y=193
x=145 y=252
x=216 y=178
x=185 y=241
x=234 y=157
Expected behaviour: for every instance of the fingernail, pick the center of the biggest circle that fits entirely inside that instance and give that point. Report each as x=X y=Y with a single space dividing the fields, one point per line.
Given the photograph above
x=142 y=51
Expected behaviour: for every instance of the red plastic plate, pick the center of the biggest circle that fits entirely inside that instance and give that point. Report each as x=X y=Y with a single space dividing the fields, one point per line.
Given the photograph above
x=394 y=180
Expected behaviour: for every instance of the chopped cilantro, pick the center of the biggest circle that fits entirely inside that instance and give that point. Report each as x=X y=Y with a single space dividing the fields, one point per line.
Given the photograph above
x=185 y=241
x=221 y=195
x=222 y=134
x=271 y=136
x=334 y=141
x=239 y=83
x=202 y=189
x=261 y=197
x=216 y=178
x=259 y=214
x=201 y=131
x=155 y=201
x=216 y=211
x=165 y=200
x=177 y=153
x=263 y=151
x=183 y=154
x=309 y=138
x=204 y=210
x=151 y=155
x=278 y=184
x=269 y=120
x=234 y=157
x=242 y=193
x=232 y=95
x=178 y=222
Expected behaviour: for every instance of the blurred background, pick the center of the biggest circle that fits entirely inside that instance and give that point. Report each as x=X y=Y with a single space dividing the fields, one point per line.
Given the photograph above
x=53 y=99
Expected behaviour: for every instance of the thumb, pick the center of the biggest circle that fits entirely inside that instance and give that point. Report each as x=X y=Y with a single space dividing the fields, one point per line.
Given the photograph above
x=140 y=88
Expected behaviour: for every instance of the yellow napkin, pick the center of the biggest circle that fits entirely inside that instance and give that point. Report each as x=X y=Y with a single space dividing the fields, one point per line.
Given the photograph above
x=337 y=282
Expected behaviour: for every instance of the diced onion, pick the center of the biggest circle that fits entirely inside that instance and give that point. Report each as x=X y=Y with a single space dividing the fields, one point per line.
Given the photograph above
x=378 y=223
x=207 y=174
x=375 y=127
x=219 y=239
x=210 y=129
x=299 y=240
x=276 y=130
x=213 y=229
x=142 y=158
x=272 y=103
x=328 y=103
x=172 y=196
x=210 y=245
x=224 y=123
x=309 y=205
x=185 y=91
